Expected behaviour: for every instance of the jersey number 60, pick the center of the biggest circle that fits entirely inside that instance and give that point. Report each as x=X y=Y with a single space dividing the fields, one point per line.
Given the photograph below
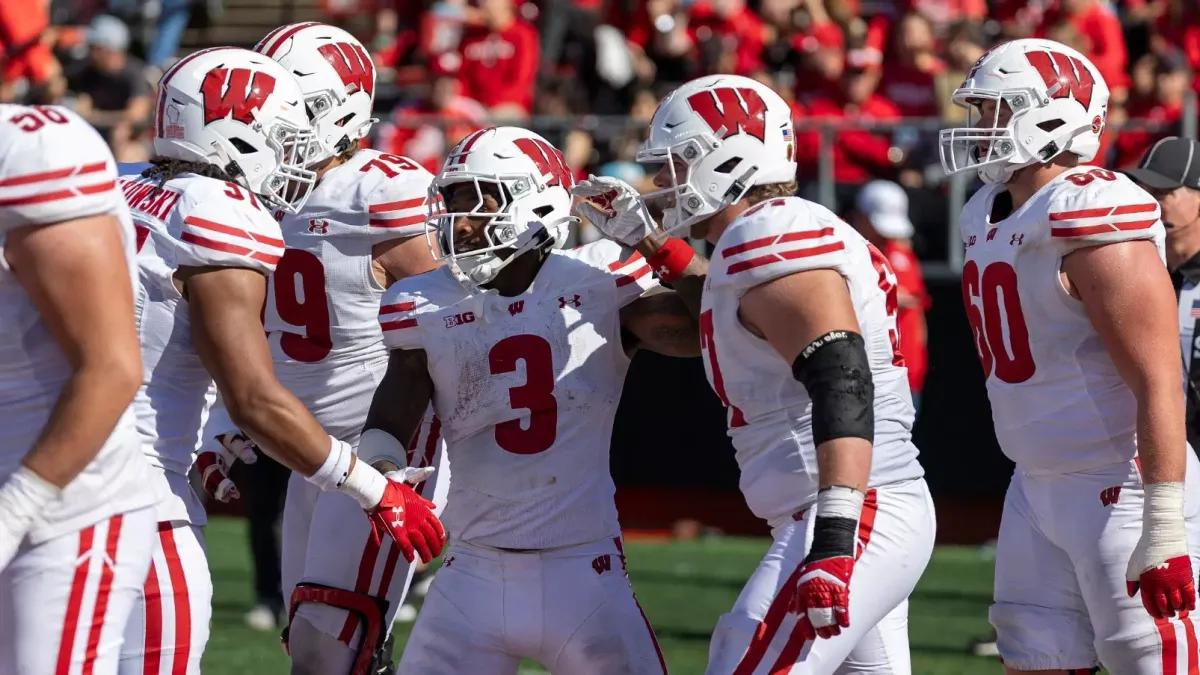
x=997 y=296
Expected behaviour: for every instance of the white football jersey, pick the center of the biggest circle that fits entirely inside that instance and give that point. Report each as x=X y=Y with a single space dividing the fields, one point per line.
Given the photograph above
x=323 y=301
x=190 y=221
x=54 y=167
x=770 y=413
x=1058 y=403
x=526 y=388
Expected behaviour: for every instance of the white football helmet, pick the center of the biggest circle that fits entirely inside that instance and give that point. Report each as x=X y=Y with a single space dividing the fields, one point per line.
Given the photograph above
x=240 y=111
x=732 y=132
x=1059 y=103
x=532 y=181
x=337 y=76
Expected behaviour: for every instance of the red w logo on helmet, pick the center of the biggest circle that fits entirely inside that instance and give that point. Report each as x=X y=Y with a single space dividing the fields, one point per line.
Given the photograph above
x=1064 y=76
x=549 y=161
x=741 y=110
x=352 y=65
x=246 y=92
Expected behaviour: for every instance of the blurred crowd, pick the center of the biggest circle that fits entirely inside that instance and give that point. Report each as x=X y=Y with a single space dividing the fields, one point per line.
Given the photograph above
x=588 y=73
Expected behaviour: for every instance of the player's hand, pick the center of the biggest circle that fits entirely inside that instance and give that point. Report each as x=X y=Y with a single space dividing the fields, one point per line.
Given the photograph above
x=823 y=596
x=1160 y=567
x=408 y=517
x=214 y=462
x=615 y=208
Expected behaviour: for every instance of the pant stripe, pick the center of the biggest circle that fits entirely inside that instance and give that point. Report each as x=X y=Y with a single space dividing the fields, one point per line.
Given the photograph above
x=180 y=603
x=152 y=646
x=1166 y=634
x=66 y=643
x=1189 y=632
x=431 y=443
x=389 y=569
x=366 y=570
x=102 y=592
x=866 y=521
x=653 y=638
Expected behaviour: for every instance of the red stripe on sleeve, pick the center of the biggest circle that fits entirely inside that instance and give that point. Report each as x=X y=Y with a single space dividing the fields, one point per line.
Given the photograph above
x=1103 y=211
x=782 y=239
x=626 y=279
x=1085 y=230
x=397 y=205
x=207 y=224
x=214 y=245
x=397 y=222
x=55 y=195
x=397 y=325
x=781 y=256
x=397 y=307
x=618 y=264
x=53 y=174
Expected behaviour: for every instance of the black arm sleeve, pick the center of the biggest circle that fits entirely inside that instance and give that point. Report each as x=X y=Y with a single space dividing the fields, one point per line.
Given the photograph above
x=835 y=371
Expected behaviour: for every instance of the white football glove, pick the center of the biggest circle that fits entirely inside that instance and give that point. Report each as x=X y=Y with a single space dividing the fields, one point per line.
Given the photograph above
x=615 y=208
x=214 y=462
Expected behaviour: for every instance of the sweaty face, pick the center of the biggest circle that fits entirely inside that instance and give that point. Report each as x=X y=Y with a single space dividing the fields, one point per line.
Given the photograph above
x=463 y=198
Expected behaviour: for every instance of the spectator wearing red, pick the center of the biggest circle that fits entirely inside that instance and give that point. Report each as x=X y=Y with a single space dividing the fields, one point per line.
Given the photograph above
x=913 y=76
x=426 y=130
x=858 y=154
x=1178 y=26
x=500 y=60
x=822 y=50
x=738 y=28
x=23 y=52
x=881 y=216
x=1172 y=79
x=1099 y=26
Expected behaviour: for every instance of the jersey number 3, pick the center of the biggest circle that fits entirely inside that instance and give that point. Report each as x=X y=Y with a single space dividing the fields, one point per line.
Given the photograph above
x=307 y=309
x=994 y=305
x=536 y=395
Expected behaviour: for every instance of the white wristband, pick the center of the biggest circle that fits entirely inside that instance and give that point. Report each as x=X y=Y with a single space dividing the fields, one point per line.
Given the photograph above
x=839 y=501
x=365 y=485
x=336 y=467
x=24 y=498
x=1163 y=527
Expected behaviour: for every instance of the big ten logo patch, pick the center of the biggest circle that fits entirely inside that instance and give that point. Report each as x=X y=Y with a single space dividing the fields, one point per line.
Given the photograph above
x=460 y=319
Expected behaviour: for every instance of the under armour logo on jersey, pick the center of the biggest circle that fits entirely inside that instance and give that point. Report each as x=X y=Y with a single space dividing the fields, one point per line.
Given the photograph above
x=991 y=234
x=1017 y=239
x=515 y=308
x=970 y=240
x=460 y=319
x=602 y=563
x=316 y=226
x=572 y=301
x=1109 y=496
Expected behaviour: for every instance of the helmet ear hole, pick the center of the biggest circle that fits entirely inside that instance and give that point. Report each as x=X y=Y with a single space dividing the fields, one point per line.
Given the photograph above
x=728 y=166
x=1050 y=125
x=242 y=146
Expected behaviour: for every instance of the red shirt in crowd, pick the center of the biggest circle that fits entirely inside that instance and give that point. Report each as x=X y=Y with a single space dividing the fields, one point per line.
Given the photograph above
x=911 y=89
x=910 y=321
x=742 y=29
x=411 y=133
x=500 y=66
x=1131 y=143
x=858 y=154
x=1102 y=29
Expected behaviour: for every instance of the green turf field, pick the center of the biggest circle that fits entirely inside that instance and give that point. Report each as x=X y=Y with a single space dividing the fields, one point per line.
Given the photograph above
x=683 y=587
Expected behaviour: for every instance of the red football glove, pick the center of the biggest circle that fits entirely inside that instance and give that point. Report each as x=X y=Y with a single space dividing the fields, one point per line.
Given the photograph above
x=213 y=463
x=1159 y=566
x=408 y=518
x=823 y=596
x=1167 y=588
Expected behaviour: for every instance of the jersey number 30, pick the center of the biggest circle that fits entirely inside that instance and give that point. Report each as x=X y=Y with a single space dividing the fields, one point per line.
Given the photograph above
x=307 y=309
x=536 y=395
x=994 y=305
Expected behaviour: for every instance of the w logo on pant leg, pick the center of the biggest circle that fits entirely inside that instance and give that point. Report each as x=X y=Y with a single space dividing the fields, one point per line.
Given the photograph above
x=1110 y=495
x=602 y=563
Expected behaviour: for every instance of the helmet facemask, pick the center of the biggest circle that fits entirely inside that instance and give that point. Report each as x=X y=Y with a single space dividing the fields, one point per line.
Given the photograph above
x=289 y=186
x=683 y=203
x=986 y=144
x=332 y=136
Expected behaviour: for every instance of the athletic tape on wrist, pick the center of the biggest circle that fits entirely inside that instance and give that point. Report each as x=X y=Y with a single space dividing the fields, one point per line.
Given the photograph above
x=669 y=261
x=336 y=467
x=1162 y=520
x=835 y=532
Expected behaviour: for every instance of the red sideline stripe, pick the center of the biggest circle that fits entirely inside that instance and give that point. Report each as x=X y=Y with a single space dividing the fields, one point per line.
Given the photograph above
x=1166 y=635
x=102 y=593
x=366 y=568
x=1103 y=211
x=397 y=205
x=662 y=663
x=626 y=279
x=40 y=176
x=182 y=609
x=296 y=28
x=397 y=222
x=206 y=224
x=66 y=642
x=1100 y=229
x=55 y=195
x=767 y=628
x=397 y=307
x=152 y=645
x=397 y=325
x=618 y=264
x=781 y=239
x=431 y=443
x=781 y=256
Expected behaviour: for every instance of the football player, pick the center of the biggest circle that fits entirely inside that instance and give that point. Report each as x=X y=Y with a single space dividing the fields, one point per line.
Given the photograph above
x=231 y=137
x=797 y=318
x=523 y=350
x=360 y=231
x=76 y=510
x=1073 y=315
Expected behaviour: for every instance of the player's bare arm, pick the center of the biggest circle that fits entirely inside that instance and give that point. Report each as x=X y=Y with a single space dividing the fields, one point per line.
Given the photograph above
x=686 y=278
x=396 y=259
x=1128 y=296
x=402 y=397
x=75 y=272
x=661 y=321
